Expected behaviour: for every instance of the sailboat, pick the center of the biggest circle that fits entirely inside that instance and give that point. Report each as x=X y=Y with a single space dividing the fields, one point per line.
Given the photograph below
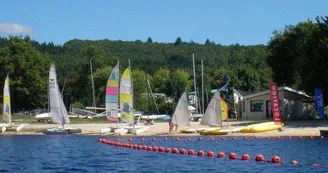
x=181 y=113
x=112 y=104
x=58 y=111
x=213 y=116
x=6 y=116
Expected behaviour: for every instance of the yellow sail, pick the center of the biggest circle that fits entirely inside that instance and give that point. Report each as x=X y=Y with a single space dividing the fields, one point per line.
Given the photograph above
x=126 y=97
x=6 y=102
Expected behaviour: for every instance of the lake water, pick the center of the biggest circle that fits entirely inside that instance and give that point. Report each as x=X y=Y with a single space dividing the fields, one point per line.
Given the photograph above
x=86 y=154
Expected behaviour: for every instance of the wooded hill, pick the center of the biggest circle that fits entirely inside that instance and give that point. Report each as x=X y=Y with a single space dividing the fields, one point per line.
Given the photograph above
x=296 y=57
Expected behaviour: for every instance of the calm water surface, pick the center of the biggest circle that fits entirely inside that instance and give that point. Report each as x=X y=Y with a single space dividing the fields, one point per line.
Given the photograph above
x=86 y=154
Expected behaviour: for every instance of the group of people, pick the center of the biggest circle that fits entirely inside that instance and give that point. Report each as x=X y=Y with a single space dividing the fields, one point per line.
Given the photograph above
x=149 y=122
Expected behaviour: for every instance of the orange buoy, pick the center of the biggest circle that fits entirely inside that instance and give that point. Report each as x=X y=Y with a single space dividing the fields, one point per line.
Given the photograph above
x=161 y=149
x=223 y=138
x=142 y=139
x=232 y=156
x=259 y=157
x=276 y=159
x=200 y=153
x=183 y=151
x=221 y=155
x=144 y=147
x=294 y=162
x=315 y=164
x=245 y=157
x=165 y=139
x=191 y=152
x=154 y=139
x=210 y=154
x=155 y=148
x=188 y=139
x=167 y=150
x=139 y=147
x=149 y=148
x=135 y=146
x=175 y=150
x=177 y=139
x=100 y=140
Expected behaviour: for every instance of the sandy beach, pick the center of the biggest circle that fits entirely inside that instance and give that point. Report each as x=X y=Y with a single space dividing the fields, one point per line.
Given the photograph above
x=291 y=128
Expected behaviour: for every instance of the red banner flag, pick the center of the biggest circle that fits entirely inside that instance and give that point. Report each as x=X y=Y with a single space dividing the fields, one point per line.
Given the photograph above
x=275 y=103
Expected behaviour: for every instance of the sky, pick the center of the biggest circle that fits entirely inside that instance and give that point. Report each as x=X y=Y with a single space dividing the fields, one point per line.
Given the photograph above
x=226 y=22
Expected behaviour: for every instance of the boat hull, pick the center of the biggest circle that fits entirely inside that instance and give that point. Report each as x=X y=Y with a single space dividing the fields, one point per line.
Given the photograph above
x=214 y=132
x=188 y=131
x=200 y=130
x=261 y=127
x=55 y=132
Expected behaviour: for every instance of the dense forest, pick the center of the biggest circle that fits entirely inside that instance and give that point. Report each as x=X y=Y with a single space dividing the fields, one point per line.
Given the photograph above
x=295 y=57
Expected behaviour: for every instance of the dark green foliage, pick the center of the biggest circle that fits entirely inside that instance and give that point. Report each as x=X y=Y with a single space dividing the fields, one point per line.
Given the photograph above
x=168 y=66
x=299 y=57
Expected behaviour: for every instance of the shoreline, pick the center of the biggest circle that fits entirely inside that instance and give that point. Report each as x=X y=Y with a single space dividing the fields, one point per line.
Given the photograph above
x=291 y=129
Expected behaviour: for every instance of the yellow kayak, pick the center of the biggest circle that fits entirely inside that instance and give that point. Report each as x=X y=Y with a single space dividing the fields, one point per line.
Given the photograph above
x=262 y=127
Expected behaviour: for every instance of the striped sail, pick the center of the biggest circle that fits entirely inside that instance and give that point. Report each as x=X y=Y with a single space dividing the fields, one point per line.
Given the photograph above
x=58 y=111
x=181 y=113
x=212 y=116
x=126 y=104
x=112 y=95
x=6 y=102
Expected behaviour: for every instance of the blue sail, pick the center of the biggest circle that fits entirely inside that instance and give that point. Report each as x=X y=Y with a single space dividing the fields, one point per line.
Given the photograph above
x=319 y=101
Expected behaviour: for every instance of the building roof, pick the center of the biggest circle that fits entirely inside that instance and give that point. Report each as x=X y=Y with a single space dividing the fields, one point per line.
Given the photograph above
x=241 y=92
x=279 y=89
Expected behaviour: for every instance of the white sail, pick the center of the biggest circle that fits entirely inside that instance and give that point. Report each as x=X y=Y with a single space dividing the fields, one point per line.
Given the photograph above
x=58 y=111
x=6 y=102
x=181 y=113
x=212 y=116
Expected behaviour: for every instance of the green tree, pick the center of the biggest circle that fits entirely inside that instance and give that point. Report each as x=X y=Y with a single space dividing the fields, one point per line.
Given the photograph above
x=28 y=70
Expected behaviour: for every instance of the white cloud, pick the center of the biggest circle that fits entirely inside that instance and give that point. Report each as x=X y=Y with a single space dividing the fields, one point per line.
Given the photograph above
x=11 y=28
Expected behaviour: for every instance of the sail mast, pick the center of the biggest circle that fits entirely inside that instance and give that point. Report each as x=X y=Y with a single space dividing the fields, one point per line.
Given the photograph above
x=93 y=89
x=131 y=93
x=195 y=89
x=202 y=89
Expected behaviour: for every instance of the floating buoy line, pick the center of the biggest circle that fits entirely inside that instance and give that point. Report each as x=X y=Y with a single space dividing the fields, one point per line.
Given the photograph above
x=232 y=138
x=201 y=153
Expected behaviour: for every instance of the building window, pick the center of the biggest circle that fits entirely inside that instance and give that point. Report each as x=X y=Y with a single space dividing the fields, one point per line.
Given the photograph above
x=256 y=105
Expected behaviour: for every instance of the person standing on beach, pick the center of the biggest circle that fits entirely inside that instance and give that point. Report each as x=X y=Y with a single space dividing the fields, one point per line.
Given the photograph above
x=170 y=125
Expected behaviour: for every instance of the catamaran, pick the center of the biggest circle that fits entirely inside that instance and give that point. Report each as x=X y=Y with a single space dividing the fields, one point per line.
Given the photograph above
x=58 y=110
x=6 y=116
x=125 y=111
